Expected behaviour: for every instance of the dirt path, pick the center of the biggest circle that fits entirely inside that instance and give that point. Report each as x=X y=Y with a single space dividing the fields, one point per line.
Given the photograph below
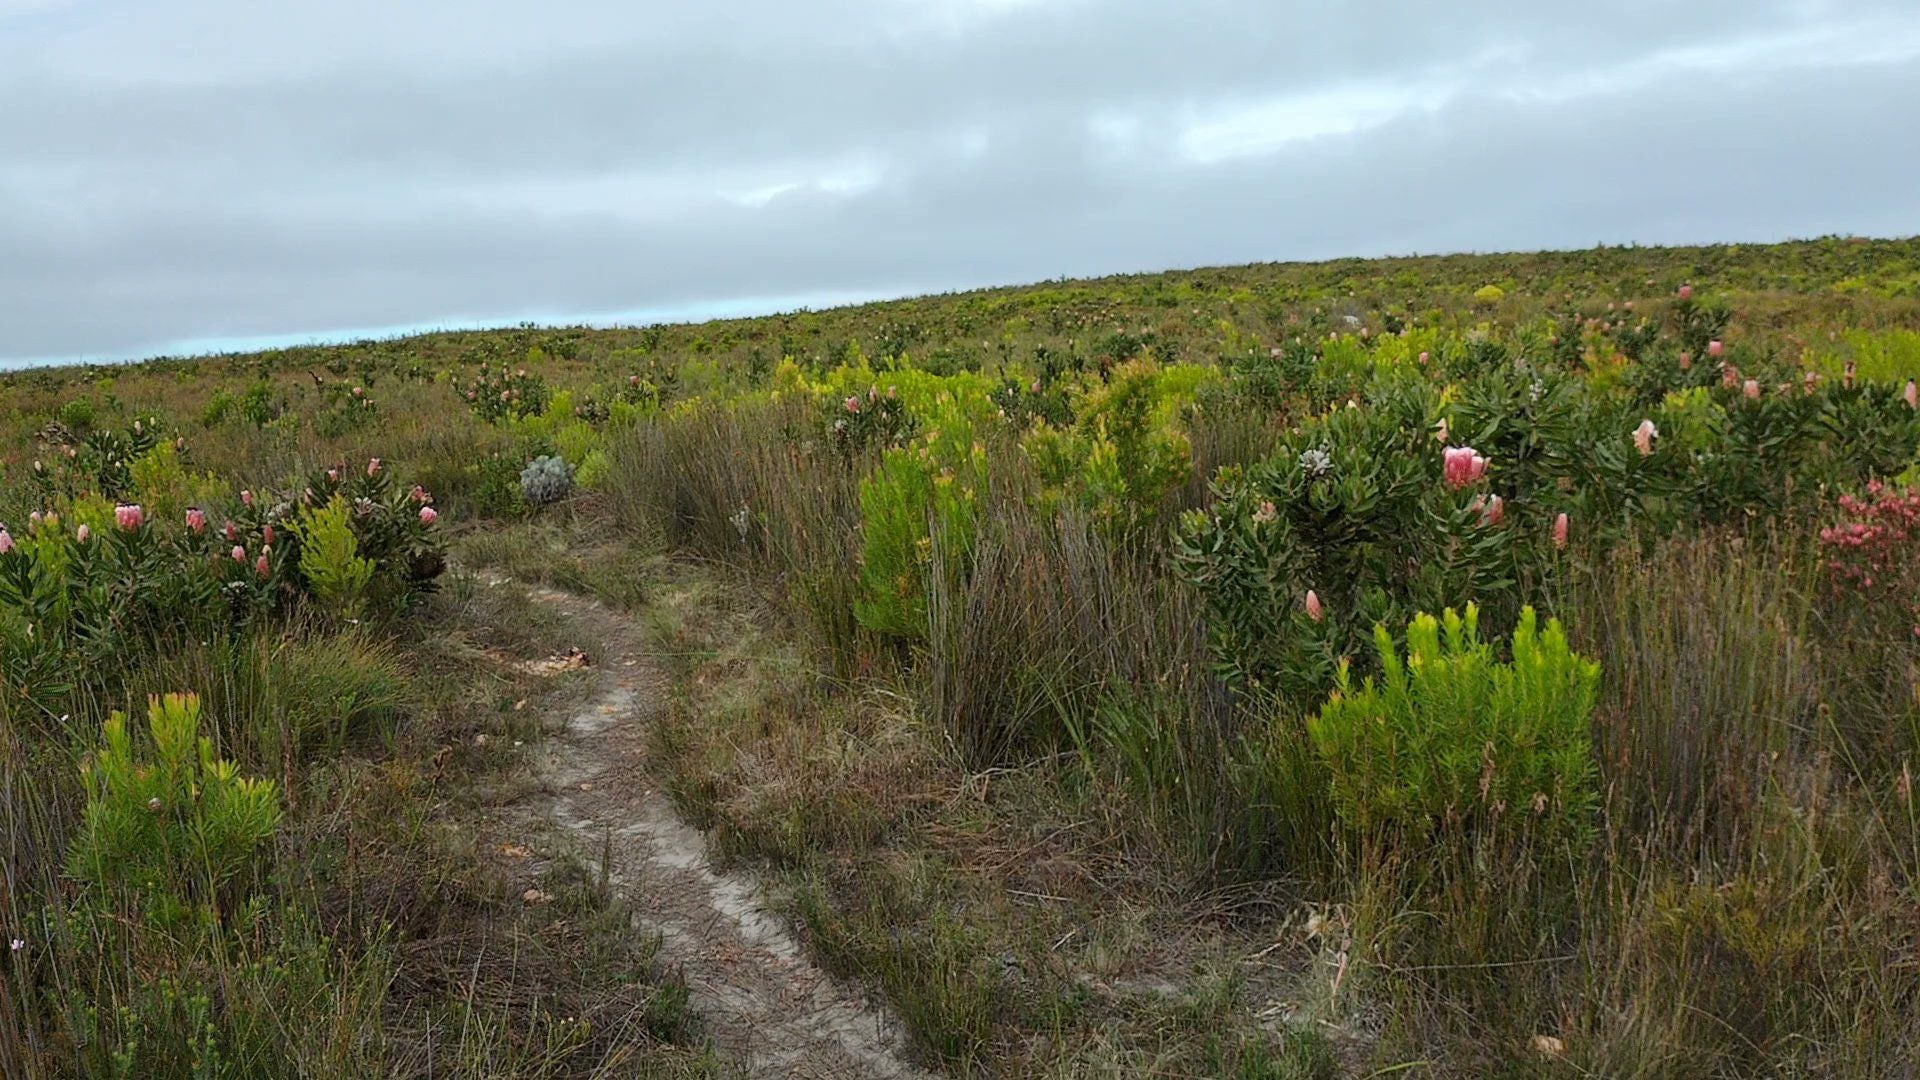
x=764 y=1003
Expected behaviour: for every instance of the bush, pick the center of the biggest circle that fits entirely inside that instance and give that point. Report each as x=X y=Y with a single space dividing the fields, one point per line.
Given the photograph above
x=546 y=480
x=1451 y=739
x=178 y=828
x=330 y=558
x=918 y=492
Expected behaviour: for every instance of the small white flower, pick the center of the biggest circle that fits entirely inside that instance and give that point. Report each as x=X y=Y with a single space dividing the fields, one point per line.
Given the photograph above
x=1316 y=463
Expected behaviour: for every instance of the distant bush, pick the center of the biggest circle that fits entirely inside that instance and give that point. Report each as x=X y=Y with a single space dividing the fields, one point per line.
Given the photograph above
x=546 y=480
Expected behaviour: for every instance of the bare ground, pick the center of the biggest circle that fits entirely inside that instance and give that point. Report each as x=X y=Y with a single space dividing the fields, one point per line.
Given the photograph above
x=765 y=1004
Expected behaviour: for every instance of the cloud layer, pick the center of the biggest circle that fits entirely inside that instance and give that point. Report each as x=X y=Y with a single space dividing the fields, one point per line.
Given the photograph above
x=202 y=172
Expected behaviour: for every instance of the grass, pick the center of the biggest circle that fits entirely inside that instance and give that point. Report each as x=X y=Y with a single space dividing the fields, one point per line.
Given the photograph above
x=1058 y=825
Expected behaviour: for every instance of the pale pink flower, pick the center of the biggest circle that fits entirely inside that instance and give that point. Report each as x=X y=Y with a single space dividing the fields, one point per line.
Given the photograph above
x=1729 y=376
x=1314 y=610
x=359 y=392
x=196 y=520
x=633 y=380
x=333 y=475
x=1462 y=465
x=1494 y=511
x=1752 y=389
x=1912 y=395
x=83 y=534
x=853 y=404
x=6 y=541
x=267 y=535
x=1716 y=348
x=1686 y=361
x=239 y=554
x=1265 y=512
x=419 y=494
x=1423 y=356
x=232 y=531
x=1686 y=292
x=1560 y=531
x=129 y=516
x=1643 y=437
x=373 y=466
x=428 y=515
x=261 y=566
x=246 y=498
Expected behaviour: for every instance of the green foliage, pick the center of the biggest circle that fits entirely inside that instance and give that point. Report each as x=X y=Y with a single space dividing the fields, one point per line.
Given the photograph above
x=918 y=492
x=1126 y=451
x=179 y=827
x=330 y=558
x=1450 y=739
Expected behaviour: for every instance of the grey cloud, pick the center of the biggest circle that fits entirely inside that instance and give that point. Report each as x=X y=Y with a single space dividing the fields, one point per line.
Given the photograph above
x=352 y=188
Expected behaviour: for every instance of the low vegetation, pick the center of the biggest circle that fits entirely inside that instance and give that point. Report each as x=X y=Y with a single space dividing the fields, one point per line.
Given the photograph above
x=1500 y=665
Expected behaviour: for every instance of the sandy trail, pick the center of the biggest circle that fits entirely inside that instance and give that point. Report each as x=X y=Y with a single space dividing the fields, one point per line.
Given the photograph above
x=766 y=1006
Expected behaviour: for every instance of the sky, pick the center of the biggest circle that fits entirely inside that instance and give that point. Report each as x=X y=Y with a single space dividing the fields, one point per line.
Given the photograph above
x=181 y=176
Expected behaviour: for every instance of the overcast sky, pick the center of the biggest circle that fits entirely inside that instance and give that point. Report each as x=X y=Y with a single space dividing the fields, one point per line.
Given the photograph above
x=183 y=175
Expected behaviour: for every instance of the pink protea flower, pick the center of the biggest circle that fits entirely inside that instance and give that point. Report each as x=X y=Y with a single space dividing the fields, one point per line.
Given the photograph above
x=232 y=531
x=1265 y=512
x=633 y=380
x=1686 y=361
x=1686 y=292
x=196 y=520
x=419 y=494
x=239 y=554
x=83 y=534
x=373 y=466
x=1913 y=394
x=1729 y=376
x=1314 y=610
x=1462 y=465
x=1560 y=526
x=359 y=392
x=1424 y=356
x=1643 y=437
x=1810 y=381
x=333 y=475
x=428 y=515
x=33 y=520
x=1751 y=388
x=6 y=541
x=128 y=516
x=853 y=404
x=472 y=396
x=1716 y=348
x=261 y=566
x=246 y=498
x=1494 y=511
x=267 y=535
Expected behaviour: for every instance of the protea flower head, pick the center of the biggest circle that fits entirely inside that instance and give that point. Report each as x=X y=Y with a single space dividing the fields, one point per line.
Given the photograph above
x=428 y=515
x=239 y=554
x=1643 y=437
x=197 y=520
x=6 y=541
x=1716 y=348
x=1912 y=395
x=1462 y=465
x=1560 y=526
x=129 y=516
x=1314 y=610
x=1686 y=292
x=1751 y=388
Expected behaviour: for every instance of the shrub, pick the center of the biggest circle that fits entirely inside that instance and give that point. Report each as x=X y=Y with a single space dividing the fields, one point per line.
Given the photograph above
x=918 y=492
x=178 y=828
x=330 y=558
x=546 y=480
x=1449 y=738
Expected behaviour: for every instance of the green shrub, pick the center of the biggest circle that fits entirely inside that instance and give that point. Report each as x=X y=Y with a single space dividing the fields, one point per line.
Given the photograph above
x=1449 y=738
x=330 y=558
x=179 y=827
x=919 y=492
